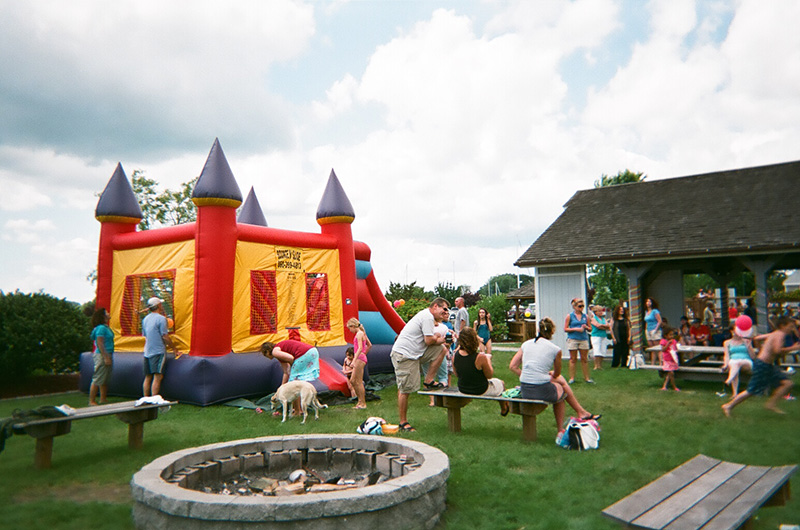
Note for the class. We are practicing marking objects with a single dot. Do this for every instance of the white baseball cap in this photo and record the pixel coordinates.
(153, 302)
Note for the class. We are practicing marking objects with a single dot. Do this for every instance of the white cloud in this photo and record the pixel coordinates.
(339, 99)
(25, 231)
(146, 76)
(457, 144)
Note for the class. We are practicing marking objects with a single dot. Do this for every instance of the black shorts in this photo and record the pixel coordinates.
(543, 392)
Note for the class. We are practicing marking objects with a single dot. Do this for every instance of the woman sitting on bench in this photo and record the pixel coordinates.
(474, 369)
(532, 364)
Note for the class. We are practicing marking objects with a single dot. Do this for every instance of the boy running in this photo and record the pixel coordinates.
(767, 375)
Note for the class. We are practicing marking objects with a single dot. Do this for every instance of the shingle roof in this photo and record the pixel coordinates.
(742, 211)
(526, 291)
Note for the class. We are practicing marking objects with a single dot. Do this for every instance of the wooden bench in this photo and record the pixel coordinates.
(704, 493)
(454, 401)
(44, 430)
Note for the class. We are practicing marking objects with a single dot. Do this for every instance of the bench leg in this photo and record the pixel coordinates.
(135, 435)
(529, 428)
(135, 420)
(454, 419)
(780, 497)
(528, 411)
(44, 434)
(43, 458)
(453, 406)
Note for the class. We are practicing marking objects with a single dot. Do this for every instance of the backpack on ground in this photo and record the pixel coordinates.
(581, 435)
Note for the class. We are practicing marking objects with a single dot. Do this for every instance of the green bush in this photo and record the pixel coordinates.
(411, 308)
(40, 332)
(497, 306)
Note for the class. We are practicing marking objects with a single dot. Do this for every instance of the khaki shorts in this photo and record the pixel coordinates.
(408, 372)
(653, 335)
(573, 344)
(102, 371)
(496, 387)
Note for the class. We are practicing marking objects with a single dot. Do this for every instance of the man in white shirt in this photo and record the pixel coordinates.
(414, 347)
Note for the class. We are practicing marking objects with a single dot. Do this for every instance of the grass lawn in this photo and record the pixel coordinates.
(496, 481)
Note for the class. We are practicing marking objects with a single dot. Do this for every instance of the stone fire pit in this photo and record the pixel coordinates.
(171, 492)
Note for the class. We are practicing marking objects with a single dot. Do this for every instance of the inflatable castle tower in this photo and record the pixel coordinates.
(229, 284)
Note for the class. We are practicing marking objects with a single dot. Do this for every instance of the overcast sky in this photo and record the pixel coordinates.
(457, 129)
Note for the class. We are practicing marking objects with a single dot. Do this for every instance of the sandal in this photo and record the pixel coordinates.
(504, 412)
(434, 385)
(594, 417)
(406, 427)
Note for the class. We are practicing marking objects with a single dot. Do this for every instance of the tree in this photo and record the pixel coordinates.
(398, 291)
(448, 292)
(497, 306)
(39, 332)
(166, 208)
(608, 283)
(622, 177)
(692, 283)
(744, 283)
(503, 283)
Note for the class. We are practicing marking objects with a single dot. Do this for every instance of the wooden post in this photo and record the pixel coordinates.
(44, 434)
(454, 406)
(43, 457)
(529, 428)
(529, 411)
(135, 435)
(135, 420)
(454, 419)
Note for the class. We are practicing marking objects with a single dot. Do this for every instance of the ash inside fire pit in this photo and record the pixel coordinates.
(298, 482)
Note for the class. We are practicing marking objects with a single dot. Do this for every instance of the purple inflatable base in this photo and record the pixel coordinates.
(209, 380)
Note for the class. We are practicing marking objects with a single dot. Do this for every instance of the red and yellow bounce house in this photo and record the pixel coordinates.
(231, 283)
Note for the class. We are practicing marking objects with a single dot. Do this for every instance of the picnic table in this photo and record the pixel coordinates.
(704, 364)
(704, 493)
(696, 354)
(44, 430)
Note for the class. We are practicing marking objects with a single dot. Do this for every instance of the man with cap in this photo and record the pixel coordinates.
(156, 341)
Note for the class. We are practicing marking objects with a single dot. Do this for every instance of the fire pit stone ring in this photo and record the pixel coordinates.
(412, 495)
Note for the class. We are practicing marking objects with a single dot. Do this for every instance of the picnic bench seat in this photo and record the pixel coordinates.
(454, 401)
(700, 373)
(704, 493)
(44, 430)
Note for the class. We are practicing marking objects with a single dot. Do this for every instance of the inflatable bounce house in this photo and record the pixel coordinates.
(229, 284)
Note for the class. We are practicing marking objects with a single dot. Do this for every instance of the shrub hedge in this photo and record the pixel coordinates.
(39, 332)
